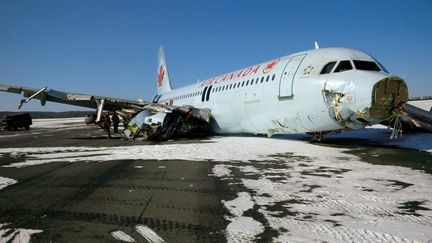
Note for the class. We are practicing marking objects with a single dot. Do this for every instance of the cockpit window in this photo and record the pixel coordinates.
(328, 67)
(343, 66)
(366, 65)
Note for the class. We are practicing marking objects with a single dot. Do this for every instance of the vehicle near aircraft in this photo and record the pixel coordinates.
(315, 91)
(14, 122)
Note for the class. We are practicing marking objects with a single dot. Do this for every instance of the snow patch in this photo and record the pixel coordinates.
(219, 149)
(4, 182)
(330, 197)
(243, 229)
(221, 170)
(239, 205)
(422, 104)
(149, 234)
(379, 134)
(58, 122)
(120, 235)
(16, 235)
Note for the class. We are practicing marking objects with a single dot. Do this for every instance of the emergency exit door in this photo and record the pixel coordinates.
(288, 75)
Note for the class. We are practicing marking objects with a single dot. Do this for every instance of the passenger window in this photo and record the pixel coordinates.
(274, 76)
(247, 83)
(343, 66)
(262, 79)
(328, 67)
(256, 81)
(230, 86)
(268, 77)
(243, 83)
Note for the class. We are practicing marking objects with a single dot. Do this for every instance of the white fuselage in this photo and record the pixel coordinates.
(286, 95)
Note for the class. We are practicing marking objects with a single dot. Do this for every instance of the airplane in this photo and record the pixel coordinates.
(315, 91)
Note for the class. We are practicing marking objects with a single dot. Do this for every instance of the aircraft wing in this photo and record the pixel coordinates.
(157, 121)
(84, 100)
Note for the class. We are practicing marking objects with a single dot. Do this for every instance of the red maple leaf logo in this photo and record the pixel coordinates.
(270, 66)
(160, 76)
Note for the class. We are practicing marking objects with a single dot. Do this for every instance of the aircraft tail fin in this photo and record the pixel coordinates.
(163, 80)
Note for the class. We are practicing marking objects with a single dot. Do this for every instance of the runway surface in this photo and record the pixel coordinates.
(63, 181)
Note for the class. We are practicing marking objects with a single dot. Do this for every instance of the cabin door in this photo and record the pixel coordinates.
(288, 75)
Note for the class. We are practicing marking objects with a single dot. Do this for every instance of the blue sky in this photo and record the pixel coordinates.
(110, 47)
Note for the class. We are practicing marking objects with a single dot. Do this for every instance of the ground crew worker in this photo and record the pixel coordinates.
(105, 124)
(115, 121)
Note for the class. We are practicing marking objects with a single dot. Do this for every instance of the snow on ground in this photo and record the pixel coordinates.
(122, 236)
(58, 122)
(4, 182)
(217, 149)
(304, 191)
(379, 134)
(422, 104)
(149, 234)
(16, 235)
(143, 230)
(241, 228)
(328, 197)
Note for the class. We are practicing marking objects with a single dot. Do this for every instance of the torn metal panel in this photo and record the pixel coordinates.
(338, 100)
(133, 127)
(200, 114)
(415, 119)
(158, 125)
(388, 95)
(156, 119)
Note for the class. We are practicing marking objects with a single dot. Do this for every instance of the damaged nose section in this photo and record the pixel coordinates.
(387, 96)
(352, 110)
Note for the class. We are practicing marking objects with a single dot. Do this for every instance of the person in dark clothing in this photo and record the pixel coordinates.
(105, 124)
(115, 121)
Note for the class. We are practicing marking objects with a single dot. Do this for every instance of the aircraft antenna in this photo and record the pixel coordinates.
(316, 45)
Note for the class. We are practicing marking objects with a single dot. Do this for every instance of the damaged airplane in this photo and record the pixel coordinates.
(315, 91)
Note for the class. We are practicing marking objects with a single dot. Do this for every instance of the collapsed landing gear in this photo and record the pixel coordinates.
(317, 136)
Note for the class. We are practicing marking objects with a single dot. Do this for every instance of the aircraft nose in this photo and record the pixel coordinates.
(352, 104)
(388, 94)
